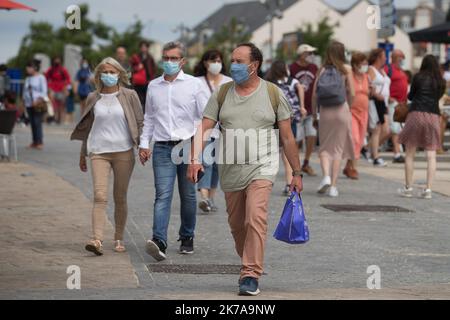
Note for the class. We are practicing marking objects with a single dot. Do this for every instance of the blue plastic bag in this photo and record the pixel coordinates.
(293, 227)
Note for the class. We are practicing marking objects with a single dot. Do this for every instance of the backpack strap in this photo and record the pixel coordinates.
(274, 95)
(223, 93)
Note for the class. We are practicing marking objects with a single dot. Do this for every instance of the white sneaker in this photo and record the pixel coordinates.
(379, 162)
(324, 185)
(406, 192)
(426, 194)
(333, 192)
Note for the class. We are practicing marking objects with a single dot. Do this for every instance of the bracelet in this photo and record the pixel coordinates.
(194, 159)
(297, 174)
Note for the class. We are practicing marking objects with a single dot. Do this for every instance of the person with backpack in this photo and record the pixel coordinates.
(295, 94)
(139, 78)
(333, 94)
(422, 126)
(58, 79)
(148, 62)
(211, 72)
(248, 108)
(34, 95)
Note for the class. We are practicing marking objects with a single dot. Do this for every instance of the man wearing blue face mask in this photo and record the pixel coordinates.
(249, 105)
(173, 108)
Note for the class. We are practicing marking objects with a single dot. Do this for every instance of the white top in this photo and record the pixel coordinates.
(173, 110)
(216, 131)
(447, 76)
(382, 84)
(38, 86)
(110, 132)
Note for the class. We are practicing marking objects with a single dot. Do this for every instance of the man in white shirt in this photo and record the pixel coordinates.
(173, 109)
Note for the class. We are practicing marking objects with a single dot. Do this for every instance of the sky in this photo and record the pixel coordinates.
(159, 17)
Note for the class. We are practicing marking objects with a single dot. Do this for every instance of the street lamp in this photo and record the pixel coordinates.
(184, 32)
(273, 14)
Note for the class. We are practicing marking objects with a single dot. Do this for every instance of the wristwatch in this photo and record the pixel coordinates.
(297, 173)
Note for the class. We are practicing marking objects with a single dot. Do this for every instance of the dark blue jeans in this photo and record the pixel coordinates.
(165, 172)
(36, 125)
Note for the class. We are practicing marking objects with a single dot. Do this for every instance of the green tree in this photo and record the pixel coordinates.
(43, 38)
(320, 36)
(229, 37)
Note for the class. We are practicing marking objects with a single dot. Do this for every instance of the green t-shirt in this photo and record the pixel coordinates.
(248, 144)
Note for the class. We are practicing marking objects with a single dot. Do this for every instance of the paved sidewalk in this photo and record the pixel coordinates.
(44, 222)
(411, 249)
(396, 172)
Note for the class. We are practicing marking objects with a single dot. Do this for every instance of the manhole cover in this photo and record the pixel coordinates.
(363, 208)
(195, 268)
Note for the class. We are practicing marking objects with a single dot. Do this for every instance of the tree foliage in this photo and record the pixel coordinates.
(96, 38)
(320, 36)
(229, 37)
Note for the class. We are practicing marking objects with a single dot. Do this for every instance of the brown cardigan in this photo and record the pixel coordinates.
(132, 108)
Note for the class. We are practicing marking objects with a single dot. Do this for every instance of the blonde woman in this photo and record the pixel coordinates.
(109, 128)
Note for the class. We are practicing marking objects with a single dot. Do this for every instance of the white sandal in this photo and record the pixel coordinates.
(118, 246)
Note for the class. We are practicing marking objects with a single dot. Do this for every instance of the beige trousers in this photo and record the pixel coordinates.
(247, 216)
(122, 164)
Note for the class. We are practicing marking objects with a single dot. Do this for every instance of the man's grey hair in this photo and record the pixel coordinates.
(175, 45)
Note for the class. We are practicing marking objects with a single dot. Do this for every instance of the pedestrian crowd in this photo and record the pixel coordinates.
(49, 96)
(346, 106)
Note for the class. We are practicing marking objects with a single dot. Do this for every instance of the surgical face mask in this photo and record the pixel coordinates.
(215, 68)
(239, 72)
(310, 59)
(109, 79)
(403, 64)
(171, 68)
(364, 68)
(85, 65)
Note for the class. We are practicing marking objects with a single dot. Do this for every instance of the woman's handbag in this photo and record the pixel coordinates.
(293, 228)
(401, 112)
(40, 105)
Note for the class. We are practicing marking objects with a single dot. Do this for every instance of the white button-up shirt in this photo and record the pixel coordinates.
(173, 110)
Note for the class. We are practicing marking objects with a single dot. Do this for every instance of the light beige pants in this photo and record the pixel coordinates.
(122, 164)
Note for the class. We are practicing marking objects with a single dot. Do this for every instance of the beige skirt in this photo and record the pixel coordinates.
(335, 133)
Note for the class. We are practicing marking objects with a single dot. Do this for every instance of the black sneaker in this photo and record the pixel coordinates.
(248, 286)
(399, 159)
(379, 162)
(205, 206)
(156, 248)
(365, 153)
(187, 245)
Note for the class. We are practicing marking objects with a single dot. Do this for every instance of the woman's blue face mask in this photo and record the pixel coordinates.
(109, 79)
